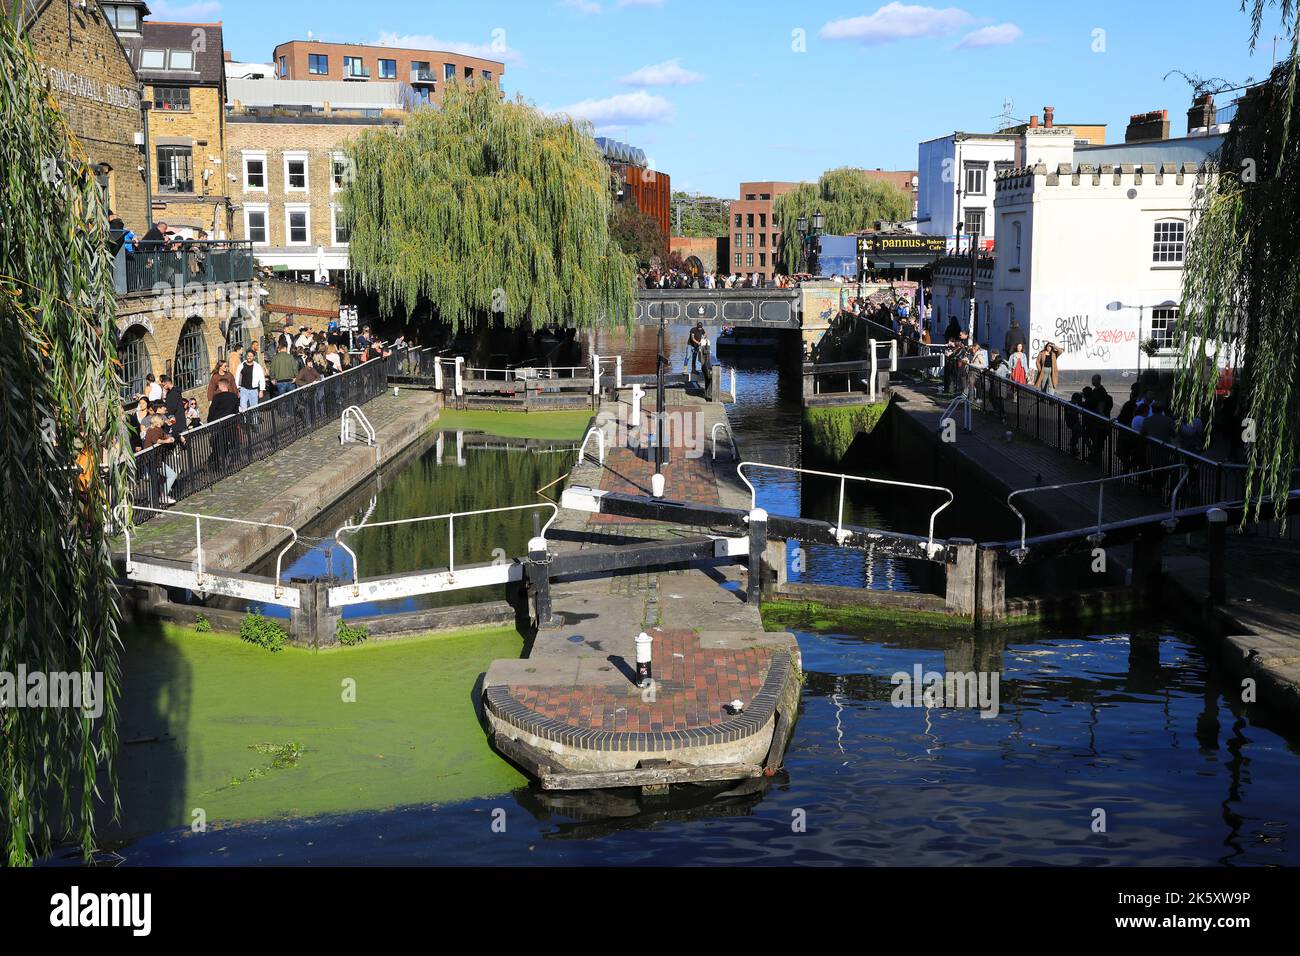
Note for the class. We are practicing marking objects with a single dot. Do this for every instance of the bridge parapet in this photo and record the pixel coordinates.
(761, 308)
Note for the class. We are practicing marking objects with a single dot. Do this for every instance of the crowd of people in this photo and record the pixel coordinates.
(682, 279)
(294, 358)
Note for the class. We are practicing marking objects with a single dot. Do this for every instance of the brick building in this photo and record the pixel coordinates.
(179, 327)
(96, 88)
(181, 66)
(755, 236)
(428, 72)
(288, 170)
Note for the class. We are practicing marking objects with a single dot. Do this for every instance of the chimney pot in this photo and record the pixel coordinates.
(1048, 116)
(1033, 121)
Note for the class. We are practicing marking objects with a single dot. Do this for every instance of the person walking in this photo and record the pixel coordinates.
(220, 373)
(1019, 363)
(1015, 336)
(252, 381)
(1047, 368)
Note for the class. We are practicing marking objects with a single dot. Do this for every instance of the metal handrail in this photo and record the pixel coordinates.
(840, 534)
(345, 433)
(450, 517)
(198, 538)
(600, 445)
(961, 399)
(731, 440)
(1096, 537)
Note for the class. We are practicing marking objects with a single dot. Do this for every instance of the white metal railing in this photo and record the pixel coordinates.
(600, 445)
(840, 534)
(450, 517)
(353, 413)
(199, 573)
(964, 400)
(1097, 535)
(731, 439)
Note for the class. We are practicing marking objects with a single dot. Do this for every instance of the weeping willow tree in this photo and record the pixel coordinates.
(1241, 278)
(487, 208)
(850, 199)
(60, 419)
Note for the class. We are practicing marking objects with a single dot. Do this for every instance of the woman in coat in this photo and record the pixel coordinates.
(1047, 368)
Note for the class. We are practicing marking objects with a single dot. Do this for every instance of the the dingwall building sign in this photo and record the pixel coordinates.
(88, 88)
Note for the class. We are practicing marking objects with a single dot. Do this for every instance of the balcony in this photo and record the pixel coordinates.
(356, 71)
(423, 76)
(194, 264)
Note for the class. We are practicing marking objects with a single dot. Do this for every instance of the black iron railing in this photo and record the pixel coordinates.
(192, 264)
(207, 454)
(1112, 448)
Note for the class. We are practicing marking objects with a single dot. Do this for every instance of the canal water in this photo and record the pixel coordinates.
(1113, 745)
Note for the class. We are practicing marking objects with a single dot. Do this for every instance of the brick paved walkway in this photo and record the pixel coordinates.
(693, 685)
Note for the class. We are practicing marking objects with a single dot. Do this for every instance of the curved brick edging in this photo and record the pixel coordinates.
(757, 714)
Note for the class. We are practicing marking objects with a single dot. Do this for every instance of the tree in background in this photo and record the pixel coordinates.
(485, 208)
(63, 462)
(849, 198)
(637, 233)
(702, 217)
(1241, 277)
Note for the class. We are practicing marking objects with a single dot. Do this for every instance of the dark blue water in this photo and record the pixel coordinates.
(1135, 726)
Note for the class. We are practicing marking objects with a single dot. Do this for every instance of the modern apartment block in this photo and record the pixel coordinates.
(427, 71)
(755, 236)
(635, 182)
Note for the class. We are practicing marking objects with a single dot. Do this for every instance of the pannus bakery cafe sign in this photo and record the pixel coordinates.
(68, 83)
(885, 246)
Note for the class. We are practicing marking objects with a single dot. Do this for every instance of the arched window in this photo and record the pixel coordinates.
(239, 333)
(191, 366)
(134, 356)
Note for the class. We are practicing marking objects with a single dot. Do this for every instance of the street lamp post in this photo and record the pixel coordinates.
(810, 238)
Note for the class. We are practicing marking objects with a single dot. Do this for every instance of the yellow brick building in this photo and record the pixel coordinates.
(182, 68)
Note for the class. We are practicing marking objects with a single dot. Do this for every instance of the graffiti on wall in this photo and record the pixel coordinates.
(1074, 334)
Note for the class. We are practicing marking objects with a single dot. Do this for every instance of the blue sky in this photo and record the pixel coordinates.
(719, 91)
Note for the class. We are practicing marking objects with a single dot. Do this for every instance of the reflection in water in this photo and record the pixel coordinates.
(1084, 724)
(438, 481)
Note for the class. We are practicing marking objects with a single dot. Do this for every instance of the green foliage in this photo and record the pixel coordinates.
(849, 199)
(350, 635)
(831, 430)
(262, 631)
(282, 757)
(1241, 284)
(64, 462)
(487, 206)
(637, 234)
(202, 625)
(703, 217)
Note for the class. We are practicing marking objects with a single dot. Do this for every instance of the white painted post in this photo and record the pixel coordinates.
(460, 372)
(871, 345)
(437, 375)
(644, 668)
(618, 371)
(657, 482)
(595, 371)
(634, 419)
(893, 355)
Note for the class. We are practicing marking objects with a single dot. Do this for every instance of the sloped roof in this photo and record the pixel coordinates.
(209, 68)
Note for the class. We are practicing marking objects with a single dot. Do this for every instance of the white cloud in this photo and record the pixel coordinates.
(503, 53)
(667, 73)
(625, 109)
(897, 21)
(585, 7)
(640, 3)
(999, 35)
(184, 12)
